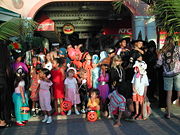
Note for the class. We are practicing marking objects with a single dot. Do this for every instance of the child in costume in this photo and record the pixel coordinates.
(58, 77)
(20, 98)
(45, 95)
(103, 87)
(63, 53)
(139, 85)
(94, 101)
(95, 71)
(117, 105)
(48, 63)
(34, 84)
(71, 89)
(83, 89)
(87, 65)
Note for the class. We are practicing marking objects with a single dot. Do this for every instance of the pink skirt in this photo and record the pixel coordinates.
(72, 96)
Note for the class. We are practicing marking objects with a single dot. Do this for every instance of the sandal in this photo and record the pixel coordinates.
(139, 117)
(167, 116)
(134, 117)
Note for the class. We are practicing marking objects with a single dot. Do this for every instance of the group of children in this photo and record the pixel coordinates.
(84, 80)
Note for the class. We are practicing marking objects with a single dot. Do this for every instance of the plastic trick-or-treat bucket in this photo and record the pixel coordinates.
(25, 110)
(66, 105)
(92, 116)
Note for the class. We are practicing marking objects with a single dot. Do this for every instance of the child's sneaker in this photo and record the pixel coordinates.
(69, 112)
(45, 118)
(83, 111)
(49, 120)
(77, 112)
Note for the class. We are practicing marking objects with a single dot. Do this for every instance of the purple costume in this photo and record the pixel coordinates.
(17, 65)
(103, 86)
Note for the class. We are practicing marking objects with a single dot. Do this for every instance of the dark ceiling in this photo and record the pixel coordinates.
(85, 16)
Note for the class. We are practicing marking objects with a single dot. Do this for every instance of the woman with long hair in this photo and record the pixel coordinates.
(169, 57)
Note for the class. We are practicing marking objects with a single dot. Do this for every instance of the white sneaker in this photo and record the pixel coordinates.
(83, 111)
(77, 112)
(45, 118)
(69, 112)
(49, 120)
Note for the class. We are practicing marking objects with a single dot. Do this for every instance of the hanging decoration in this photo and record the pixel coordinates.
(15, 45)
(68, 29)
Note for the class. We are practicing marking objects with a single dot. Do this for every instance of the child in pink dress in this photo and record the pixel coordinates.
(45, 95)
(71, 90)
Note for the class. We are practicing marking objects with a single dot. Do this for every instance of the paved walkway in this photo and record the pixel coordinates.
(76, 125)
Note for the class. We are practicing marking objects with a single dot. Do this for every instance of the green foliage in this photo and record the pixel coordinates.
(17, 27)
(117, 5)
(167, 13)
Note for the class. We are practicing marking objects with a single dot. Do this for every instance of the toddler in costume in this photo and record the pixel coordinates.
(45, 95)
(93, 102)
(20, 98)
(139, 84)
(71, 89)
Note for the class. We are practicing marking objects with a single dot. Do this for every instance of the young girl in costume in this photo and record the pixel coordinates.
(103, 87)
(94, 101)
(95, 71)
(48, 63)
(45, 95)
(83, 89)
(34, 84)
(71, 89)
(20, 98)
(117, 75)
(58, 77)
(87, 65)
(139, 85)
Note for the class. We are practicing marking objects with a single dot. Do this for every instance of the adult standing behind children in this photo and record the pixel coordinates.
(170, 59)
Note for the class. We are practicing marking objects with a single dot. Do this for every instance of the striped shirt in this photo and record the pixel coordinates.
(117, 102)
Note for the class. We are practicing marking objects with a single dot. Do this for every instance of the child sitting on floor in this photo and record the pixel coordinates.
(93, 102)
